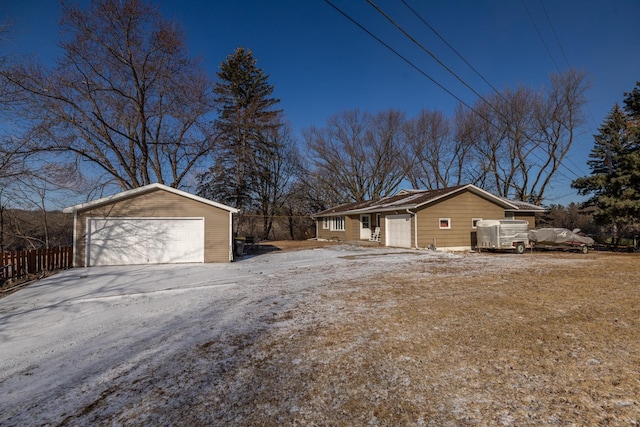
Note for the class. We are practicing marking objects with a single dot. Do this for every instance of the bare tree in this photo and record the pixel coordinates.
(125, 97)
(522, 136)
(278, 167)
(438, 152)
(34, 219)
(558, 118)
(359, 156)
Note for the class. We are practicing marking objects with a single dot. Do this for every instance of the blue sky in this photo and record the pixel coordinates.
(321, 64)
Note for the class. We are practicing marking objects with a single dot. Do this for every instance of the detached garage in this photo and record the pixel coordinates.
(154, 224)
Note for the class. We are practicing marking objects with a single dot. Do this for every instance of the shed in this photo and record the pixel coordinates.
(154, 224)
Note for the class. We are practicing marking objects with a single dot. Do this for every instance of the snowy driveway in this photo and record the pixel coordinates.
(67, 340)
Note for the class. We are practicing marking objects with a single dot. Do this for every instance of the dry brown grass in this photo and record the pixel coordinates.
(554, 340)
(290, 245)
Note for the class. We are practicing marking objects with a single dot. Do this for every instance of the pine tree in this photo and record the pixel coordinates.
(246, 115)
(614, 183)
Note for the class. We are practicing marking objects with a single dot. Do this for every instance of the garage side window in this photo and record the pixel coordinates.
(444, 223)
(325, 223)
(337, 224)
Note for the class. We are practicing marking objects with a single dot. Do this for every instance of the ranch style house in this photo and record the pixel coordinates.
(444, 219)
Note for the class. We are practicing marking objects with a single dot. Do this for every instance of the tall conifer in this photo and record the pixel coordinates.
(246, 116)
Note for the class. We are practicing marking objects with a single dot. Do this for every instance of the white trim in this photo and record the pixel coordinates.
(365, 233)
(75, 238)
(333, 224)
(474, 222)
(231, 248)
(142, 190)
(448, 227)
(415, 229)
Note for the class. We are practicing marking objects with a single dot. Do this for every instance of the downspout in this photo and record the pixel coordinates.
(74, 244)
(415, 228)
(231, 242)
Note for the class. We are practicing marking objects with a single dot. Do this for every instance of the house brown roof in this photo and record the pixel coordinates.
(411, 199)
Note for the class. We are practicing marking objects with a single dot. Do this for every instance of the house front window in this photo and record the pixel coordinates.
(325, 223)
(337, 224)
(444, 223)
(474, 222)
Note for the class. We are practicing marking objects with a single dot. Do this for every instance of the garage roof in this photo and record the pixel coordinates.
(146, 189)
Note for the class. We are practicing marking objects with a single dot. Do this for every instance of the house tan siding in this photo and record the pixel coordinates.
(527, 216)
(461, 209)
(351, 229)
(159, 203)
(352, 224)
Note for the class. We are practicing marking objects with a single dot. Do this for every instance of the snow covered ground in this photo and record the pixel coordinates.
(71, 341)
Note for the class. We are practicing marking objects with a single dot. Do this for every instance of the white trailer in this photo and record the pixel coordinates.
(494, 234)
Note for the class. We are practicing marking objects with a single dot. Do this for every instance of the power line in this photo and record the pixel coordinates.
(428, 52)
(452, 48)
(442, 64)
(477, 72)
(555, 35)
(436, 82)
(535, 26)
(557, 39)
(504, 119)
(399, 55)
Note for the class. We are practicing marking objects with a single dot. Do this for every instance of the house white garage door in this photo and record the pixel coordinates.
(122, 241)
(398, 230)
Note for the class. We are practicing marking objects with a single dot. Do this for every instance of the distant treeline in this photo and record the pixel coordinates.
(34, 229)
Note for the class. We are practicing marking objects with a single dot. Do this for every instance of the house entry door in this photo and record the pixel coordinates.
(365, 227)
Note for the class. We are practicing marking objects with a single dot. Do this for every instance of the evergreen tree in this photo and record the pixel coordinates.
(632, 102)
(614, 183)
(246, 116)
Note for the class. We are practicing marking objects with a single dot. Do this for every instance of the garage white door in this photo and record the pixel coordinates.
(122, 241)
(398, 230)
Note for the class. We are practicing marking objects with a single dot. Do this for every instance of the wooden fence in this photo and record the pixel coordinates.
(23, 264)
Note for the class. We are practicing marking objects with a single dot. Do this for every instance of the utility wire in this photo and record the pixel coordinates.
(432, 55)
(479, 74)
(535, 26)
(504, 119)
(555, 35)
(452, 48)
(432, 79)
(557, 39)
(398, 54)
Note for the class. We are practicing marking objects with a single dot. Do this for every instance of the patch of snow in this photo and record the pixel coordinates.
(72, 340)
